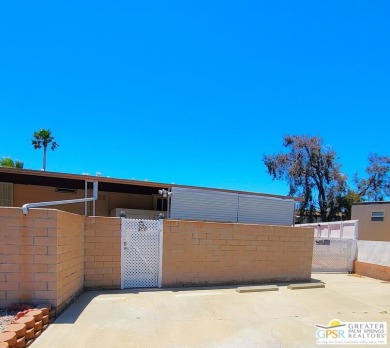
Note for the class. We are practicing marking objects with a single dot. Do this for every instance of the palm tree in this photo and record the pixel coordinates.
(9, 162)
(44, 138)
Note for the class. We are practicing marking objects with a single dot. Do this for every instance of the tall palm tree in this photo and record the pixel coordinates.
(42, 139)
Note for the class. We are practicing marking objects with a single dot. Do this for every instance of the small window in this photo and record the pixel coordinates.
(377, 216)
(65, 190)
(161, 203)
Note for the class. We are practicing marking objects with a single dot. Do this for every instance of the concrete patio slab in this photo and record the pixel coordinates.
(216, 317)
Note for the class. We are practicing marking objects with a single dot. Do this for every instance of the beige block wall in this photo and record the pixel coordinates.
(107, 200)
(202, 253)
(372, 230)
(102, 252)
(35, 252)
(50, 255)
(28, 246)
(372, 270)
(70, 256)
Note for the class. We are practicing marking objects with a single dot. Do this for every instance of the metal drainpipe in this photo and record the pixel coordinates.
(94, 197)
(168, 203)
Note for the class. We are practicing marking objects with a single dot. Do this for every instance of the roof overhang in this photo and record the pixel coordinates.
(371, 203)
(77, 181)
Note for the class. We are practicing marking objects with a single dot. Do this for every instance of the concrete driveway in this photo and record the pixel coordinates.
(216, 317)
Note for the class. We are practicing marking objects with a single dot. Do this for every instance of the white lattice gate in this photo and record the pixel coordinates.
(141, 253)
(333, 255)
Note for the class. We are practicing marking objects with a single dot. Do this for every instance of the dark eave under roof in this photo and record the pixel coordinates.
(77, 181)
(29, 177)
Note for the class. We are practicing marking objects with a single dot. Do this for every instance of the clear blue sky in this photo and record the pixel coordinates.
(193, 92)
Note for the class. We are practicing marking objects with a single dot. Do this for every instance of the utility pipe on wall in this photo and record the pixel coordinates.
(94, 197)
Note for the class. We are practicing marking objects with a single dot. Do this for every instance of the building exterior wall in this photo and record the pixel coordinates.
(129, 201)
(107, 201)
(201, 253)
(102, 252)
(372, 230)
(32, 193)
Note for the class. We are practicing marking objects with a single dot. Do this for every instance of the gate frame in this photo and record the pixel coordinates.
(160, 251)
(340, 236)
(350, 258)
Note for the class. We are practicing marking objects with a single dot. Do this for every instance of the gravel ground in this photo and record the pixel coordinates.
(6, 317)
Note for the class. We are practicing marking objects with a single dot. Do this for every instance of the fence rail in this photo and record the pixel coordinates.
(338, 229)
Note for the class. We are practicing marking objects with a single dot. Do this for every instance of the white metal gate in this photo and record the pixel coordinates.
(141, 253)
(335, 245)
(333, 255)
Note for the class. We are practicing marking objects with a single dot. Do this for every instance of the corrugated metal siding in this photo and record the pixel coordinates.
(203, 205)
(208, 205)
(265, 210)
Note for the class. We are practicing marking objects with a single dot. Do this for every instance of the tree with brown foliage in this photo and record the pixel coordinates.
(376, 186)
(313, 173)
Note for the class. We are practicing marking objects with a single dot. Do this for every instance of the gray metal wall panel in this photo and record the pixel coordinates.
(265, 210)
(209, 205)
(203, 205)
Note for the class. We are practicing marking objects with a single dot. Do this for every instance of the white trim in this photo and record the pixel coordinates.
(122, 255)
(160, 261)
(356, 229)
(329, 223)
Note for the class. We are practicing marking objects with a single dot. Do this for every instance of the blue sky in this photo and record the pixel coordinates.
(193, 92)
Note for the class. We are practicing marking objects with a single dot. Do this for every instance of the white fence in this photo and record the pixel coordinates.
(338, 229)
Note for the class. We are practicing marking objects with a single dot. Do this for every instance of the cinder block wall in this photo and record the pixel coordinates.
(102, 252)
(50, 255)
(372, 270)
(40, 259)
(70, 256)
(202, 253)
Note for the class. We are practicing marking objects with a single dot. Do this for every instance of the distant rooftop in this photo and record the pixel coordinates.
(374, 202)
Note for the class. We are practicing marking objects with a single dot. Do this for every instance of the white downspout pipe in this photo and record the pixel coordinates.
(94, 197)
